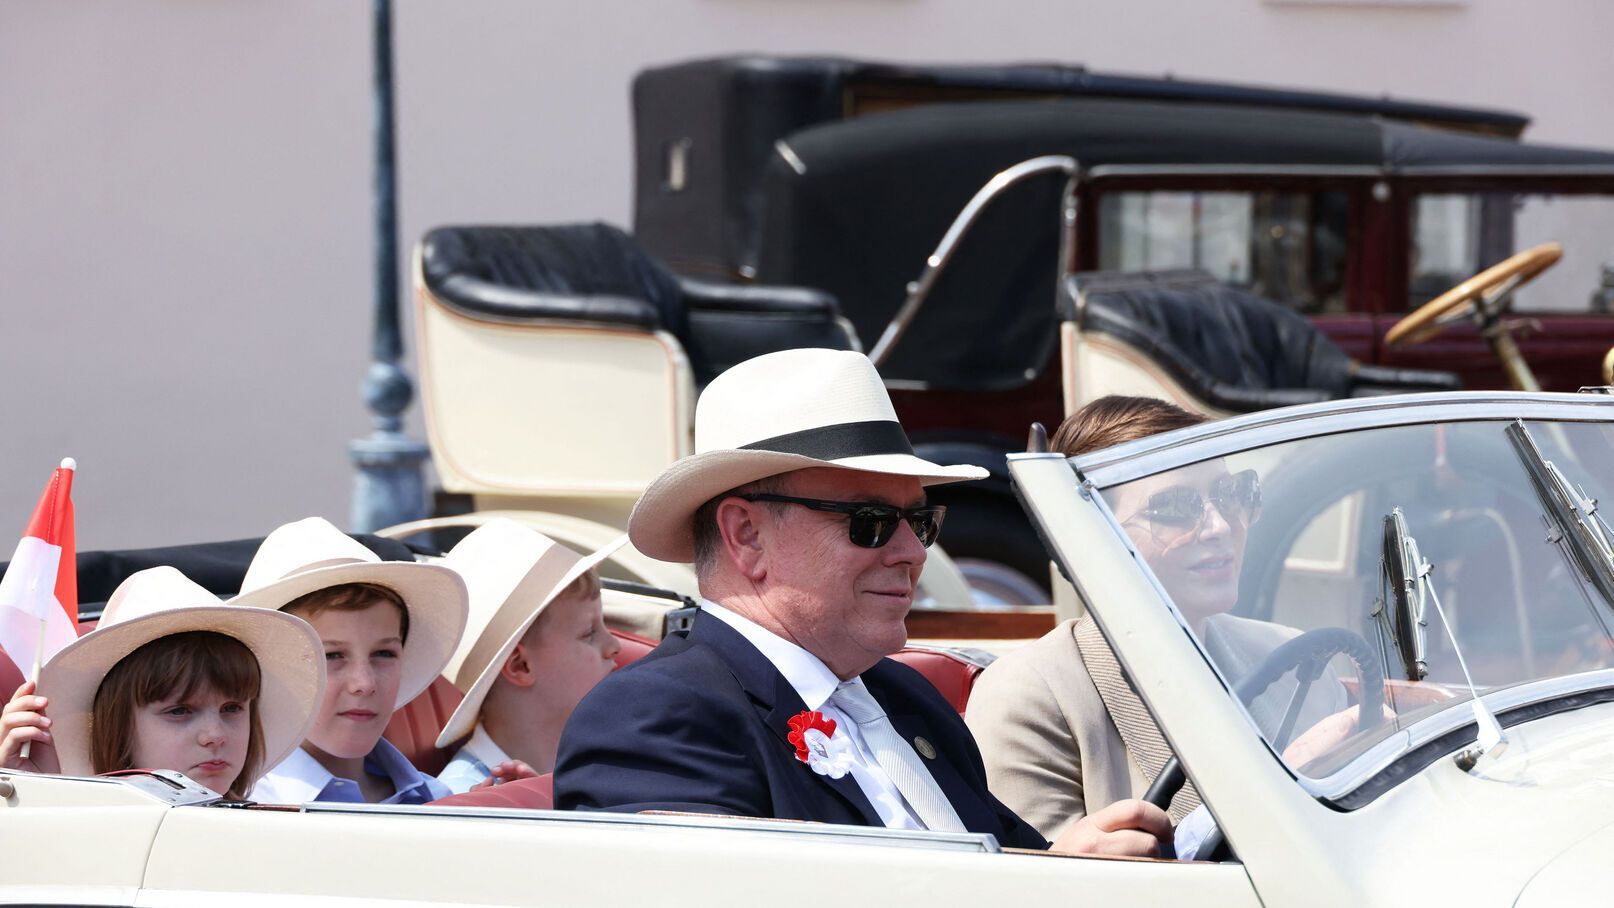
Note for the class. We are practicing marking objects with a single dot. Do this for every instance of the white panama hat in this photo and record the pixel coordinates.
(776, 413)
(161, 601)
(513, 573)
(310, 555)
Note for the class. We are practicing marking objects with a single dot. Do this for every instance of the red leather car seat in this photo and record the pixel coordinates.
(952, 671)
(528, 794)
(633, 646)
(414, 729)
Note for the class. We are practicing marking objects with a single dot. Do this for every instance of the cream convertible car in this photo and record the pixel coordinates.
(1403, 554)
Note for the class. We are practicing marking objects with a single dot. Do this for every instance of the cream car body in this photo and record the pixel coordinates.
(1398, 820)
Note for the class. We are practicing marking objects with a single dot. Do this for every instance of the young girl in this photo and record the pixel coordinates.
(171, 678)
(387, 629)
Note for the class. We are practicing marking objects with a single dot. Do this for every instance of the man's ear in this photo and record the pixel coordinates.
(738, 527)
(518, 668)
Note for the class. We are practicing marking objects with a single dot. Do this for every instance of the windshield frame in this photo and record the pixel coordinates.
(1115, 466)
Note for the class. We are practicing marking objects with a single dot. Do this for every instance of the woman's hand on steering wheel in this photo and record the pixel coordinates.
(1307, 654)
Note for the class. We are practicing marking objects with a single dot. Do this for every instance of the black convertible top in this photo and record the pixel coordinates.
(855, 207)
(1105, 132)
(217, 567)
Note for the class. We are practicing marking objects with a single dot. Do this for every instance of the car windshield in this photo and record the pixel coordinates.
(1457, 235)
(1403, 559)
(1284, 246)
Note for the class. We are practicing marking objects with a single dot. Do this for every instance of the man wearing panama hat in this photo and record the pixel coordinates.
(803, 511)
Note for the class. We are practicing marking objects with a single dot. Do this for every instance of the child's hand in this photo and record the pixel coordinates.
(508, 771)
(23, 720)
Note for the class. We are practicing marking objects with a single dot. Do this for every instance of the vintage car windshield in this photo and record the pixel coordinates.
(1455, 235)
(1284, 246)
(1362, 540)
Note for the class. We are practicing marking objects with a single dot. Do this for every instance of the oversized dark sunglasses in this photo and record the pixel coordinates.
(872, 525)
(1237, 496)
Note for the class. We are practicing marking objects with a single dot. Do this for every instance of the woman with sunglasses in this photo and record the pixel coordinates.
(1062, 732)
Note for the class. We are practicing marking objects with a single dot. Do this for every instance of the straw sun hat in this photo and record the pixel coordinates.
(161, 601)
(309, 555)
(513, 573)
(773, 414)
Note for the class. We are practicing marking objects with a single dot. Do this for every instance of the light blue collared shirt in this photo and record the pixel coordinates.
(473, 761)
(299, 779)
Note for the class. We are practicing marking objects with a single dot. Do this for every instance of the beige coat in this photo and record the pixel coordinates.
(1053, 753)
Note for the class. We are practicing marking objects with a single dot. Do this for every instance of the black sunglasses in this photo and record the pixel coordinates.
(872, 525)
(1236, 496)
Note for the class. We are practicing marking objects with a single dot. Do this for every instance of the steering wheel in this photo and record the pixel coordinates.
(1475, 296)
(1306, 655)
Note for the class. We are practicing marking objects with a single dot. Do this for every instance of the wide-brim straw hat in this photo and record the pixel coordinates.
(779, 412)
(513, 573)
(310, 555)
(160, 601)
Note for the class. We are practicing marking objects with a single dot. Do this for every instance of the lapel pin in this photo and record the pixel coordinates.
(925, 748)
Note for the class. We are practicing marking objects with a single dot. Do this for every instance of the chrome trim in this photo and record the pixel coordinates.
(790, 157)
(1378, 758)
(1360, 171)
(1219, 438)
(919, 289)
(982, 843)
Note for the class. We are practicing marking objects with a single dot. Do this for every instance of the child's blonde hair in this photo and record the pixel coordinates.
(586, 586)
(175, 667)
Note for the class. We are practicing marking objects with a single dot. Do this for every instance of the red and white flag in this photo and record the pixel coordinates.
(39, 591)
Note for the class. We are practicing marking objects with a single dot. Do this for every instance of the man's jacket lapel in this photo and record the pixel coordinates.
(776, 703)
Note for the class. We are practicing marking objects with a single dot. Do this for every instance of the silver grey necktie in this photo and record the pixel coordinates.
(897, 758)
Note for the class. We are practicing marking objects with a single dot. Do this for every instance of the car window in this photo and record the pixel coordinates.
(1261, 547)
(1285, 246)
(1458, 235)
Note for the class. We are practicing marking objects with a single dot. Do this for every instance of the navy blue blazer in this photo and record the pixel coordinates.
(700, 724)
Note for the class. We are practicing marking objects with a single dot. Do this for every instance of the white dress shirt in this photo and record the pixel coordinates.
(473, 762)
(300, 779)
(814, 682)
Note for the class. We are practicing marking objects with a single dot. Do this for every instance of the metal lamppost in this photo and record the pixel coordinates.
(389, 487)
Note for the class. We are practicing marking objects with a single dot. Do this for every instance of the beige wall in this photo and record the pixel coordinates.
(184, 234)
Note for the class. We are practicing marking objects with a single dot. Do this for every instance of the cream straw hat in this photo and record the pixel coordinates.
(513, 574)
(773, 414)
(160, 601)
(309, 555)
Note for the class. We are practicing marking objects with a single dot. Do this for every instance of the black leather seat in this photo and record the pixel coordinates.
(1227, 346)
(597, 273)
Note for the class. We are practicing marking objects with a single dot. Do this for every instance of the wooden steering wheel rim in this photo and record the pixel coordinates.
(1422, 323)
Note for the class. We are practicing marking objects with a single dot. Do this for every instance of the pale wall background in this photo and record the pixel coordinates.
(184, 185)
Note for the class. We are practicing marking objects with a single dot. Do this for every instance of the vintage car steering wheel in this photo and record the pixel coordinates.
(1484, 297)
(1306, 655)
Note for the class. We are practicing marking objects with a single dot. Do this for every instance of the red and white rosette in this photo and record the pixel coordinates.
(818, 746)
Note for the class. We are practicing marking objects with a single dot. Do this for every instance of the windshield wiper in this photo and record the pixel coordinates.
(1402, 608)
(1402, 619)
(1572, 519)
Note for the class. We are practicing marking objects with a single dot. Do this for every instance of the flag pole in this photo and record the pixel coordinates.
(39, 658)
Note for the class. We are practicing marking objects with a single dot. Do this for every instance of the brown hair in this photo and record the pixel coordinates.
(349, 597)
(1114, 419)
(174, 667)
(708, 540)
